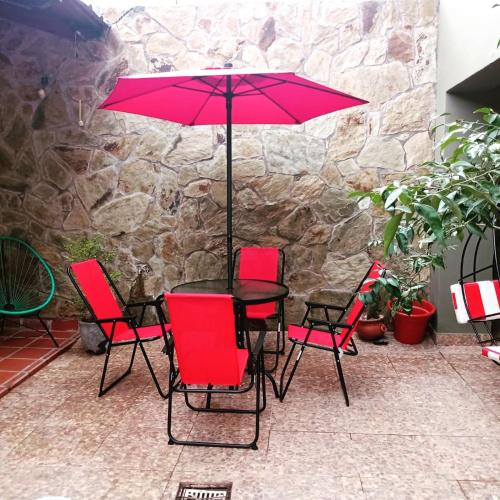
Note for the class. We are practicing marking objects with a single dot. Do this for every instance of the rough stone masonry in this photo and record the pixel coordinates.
(157, 190)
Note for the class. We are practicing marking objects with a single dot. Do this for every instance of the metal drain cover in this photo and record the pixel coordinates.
(212, 490)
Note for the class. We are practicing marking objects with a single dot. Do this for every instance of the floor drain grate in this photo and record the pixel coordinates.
(189, 490)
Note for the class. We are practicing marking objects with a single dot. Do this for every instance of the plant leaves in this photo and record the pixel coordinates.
(433, 219)
(390, 231)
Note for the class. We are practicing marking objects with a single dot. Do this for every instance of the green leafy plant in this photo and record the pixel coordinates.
(447, 198)
(403, 290)
(375, 301)
(89, 248)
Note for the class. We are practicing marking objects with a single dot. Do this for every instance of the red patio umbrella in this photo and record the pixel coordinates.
(217, 96)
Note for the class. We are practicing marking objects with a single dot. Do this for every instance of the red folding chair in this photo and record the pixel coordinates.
(203, 328)
(330, 335)
(266, 264)
(118, 325)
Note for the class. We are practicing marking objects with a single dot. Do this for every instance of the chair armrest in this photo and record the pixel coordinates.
(124, 319)
(314, 305)
(154, 302)
(334, 324)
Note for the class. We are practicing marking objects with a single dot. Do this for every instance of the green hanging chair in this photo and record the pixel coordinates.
(27, 284)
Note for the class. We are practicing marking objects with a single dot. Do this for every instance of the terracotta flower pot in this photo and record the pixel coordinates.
(411, 328)
(371, 329)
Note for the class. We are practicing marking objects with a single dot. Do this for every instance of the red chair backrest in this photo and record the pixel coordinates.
(259, 264)
(98, 293)
(203, 327)
(376, 270)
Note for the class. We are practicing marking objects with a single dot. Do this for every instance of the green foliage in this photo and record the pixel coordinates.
(448, 198)
(453, 196)
(90, 248)
(403, 291)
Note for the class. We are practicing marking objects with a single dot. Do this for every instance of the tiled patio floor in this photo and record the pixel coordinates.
(25, 348)
(424, 422)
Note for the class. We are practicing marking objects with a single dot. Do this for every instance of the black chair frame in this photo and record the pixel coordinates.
(327, 325)
(131, 321)
(279, 316)
(257, 380)
(4, 318)
(485, 321)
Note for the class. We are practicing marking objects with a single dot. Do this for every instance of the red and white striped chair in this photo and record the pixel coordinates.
(492, 352)
(482, 301)
(478, 301)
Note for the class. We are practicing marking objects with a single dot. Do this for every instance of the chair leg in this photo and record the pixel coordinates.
(341, 376)
(209, 396)
(259, 369)
(260, 373)
(103, 390)
(276, 352)
(46, 328)
(132, 358)
(281, 326)
(171, 439)
(273, 383)
(284, 390)
(151, 370)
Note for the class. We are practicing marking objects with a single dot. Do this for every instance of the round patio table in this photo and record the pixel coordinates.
(247, 292)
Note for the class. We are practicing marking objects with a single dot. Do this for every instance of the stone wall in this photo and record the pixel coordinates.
(157, 190)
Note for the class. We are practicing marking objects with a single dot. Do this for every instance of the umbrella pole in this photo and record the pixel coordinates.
(229, 181)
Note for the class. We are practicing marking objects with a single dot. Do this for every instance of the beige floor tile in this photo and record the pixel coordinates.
(59, 444)
(308, 452)
(13, 433)
(141, 448)
(80, 482)
(452, 457)
(206, 461)
(481, 490)
(413, 409)
(414, 486)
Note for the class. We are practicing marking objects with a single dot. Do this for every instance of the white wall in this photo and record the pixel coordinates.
(467, 39)
(468, 34)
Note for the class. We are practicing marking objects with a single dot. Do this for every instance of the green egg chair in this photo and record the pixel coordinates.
(27, 284)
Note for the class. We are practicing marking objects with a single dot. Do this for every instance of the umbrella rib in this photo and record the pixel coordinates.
(140, 94)
(214, 87)
(328, 91)
(248, 92)
(197, 90)
(273, 101)
(205, 103)
(236, 86)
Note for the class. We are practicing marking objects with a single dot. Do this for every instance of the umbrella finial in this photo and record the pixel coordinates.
(228, 65)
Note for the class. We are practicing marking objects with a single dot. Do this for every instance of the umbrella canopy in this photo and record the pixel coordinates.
(217, 96)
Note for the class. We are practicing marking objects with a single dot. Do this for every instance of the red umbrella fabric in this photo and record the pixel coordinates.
(216, 96)
(199, 98)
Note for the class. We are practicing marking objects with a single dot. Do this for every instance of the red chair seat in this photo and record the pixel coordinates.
(318, 337)
(492, 352)
(145, 332)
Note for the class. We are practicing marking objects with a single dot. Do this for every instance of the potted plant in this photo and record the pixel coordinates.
(441, 201)
(408, 307)
(371, 325)
(82, 249)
